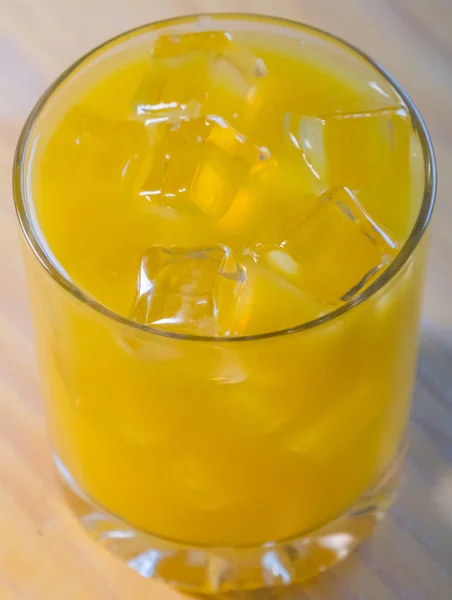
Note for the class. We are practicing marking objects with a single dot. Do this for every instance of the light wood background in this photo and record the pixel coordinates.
(43, 555)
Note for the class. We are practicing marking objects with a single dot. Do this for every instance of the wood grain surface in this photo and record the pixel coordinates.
(43, 554)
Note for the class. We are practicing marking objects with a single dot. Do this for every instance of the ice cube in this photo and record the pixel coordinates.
(173, 89)
(284, 184)
(227, 87)
(107, 153)
(229, 158)
(189, 290)
(332, 250)
(193, 74)
(216, 43)
(196, 86)
(366, 151)
(176, 151)
(271, 302)
(200, 162)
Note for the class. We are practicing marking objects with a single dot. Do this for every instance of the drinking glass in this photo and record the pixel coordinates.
(225, 463)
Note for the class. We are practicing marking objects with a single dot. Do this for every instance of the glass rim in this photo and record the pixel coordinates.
(61, 279)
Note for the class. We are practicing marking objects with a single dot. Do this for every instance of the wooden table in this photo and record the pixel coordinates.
(43, 555)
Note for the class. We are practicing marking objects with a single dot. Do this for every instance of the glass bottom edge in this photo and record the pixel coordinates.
(213, 570)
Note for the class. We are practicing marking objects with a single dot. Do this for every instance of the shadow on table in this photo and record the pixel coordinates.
(410, 554)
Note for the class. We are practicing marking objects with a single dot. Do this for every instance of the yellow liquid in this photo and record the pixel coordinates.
(307, 178)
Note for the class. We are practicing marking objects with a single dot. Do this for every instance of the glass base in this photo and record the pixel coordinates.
(209, 569)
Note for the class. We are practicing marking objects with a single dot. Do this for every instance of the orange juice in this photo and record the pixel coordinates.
(222, 362)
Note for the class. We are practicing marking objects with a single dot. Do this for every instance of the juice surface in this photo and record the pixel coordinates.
(211, 141)
(229, 185)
